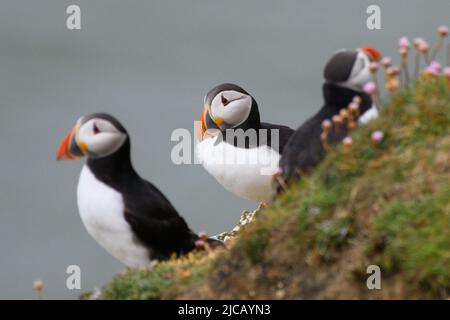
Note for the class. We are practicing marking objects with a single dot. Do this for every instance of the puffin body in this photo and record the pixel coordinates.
(125, 214)
(244, 172)
(239, 151)
(101, 210)
(345, 74)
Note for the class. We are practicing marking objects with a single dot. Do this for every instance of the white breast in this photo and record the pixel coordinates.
(248, 173)
(369, 115)
(101, 209)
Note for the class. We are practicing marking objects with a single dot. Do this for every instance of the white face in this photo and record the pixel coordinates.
(100, 137)
(230, 108)
(360, 74)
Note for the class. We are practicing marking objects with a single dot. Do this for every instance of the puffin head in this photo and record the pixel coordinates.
(96, 136)
(227, 106)
(350, 68)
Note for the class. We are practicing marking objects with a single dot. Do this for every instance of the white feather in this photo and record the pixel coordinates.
(102, 211)
(248, 173)
(369, 115)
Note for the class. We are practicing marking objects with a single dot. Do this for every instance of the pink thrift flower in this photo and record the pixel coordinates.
(370, 88)
(418, 41)
(353, 106)
(199, 244)
(403, 51)
(443, 31)
(404, 42)
(386, 62)
(431, 71)
(423, 46)
(447, 72)
(396, 69)
(436, 65)
(326, 124)
(373, 67)
(347, 141)
(377, 136)
(356, 99)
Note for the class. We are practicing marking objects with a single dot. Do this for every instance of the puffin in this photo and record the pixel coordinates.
(127, 215)
(345, 73)
(235, 147)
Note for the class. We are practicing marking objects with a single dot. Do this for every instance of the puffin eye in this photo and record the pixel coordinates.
(225, 101)
(96, 129)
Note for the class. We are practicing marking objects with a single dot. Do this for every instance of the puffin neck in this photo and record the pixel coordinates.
(340, 97)
(114, 168)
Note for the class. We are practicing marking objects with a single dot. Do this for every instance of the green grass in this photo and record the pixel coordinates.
(386, 204)
(415, 238)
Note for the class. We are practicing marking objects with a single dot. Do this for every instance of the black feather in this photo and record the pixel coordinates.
(304, 150)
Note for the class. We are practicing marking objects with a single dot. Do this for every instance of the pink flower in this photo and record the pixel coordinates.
(326, 124)
(447, 72)
(396, 69)
(393, 71)
(443, 31)
(431, 71)
(347, 141)
(403, 51)
(356, 99)
(404, 43)
(436, 65)
(353, 106)
(373, 67)
(386, 62)
(423, 46)
(370, 88)
(418, 41)
(377, 136)
(200, 244)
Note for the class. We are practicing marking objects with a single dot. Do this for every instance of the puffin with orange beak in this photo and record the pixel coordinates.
(346, 74)
(127, 215)
(235, 147)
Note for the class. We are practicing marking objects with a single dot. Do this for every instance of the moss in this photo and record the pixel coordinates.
(416, 240)
(385, 204)
(162, 281)
(141, 284)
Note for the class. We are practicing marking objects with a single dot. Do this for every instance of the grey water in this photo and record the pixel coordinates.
(150, 63)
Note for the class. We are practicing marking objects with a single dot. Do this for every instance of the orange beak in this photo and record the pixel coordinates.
(373, 53)
(66, 146)
(201, 130)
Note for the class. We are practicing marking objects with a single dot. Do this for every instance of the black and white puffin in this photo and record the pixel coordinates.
(345, 75)
(125, 214)
(232, 146)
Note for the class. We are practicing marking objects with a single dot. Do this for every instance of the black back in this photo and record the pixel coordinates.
(304, 150)
(284, 134)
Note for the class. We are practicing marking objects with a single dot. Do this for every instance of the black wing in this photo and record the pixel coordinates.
(284, 134)
(304, 150)
(156, 223)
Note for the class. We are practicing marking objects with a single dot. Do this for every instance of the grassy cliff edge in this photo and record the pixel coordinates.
(385, 204)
